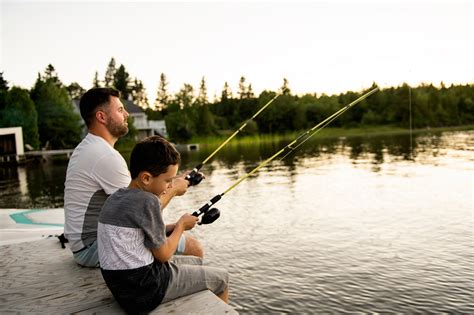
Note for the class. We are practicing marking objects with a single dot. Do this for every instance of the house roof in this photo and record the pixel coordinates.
(132, 108)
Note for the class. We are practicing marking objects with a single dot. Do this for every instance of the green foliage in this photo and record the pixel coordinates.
(58, 125)
(179, 126)
(109, 73)
(96, 81)
(250, 129)
(138, 92)
(75, 91)
(20, 112)
(202, 96)
(185, 97)
(3, 83)
(430, 107)
(279, 116)
(206, 125)
(121, 82)
(153, 114)
(162, 96)
(226, 93)
(188, 115)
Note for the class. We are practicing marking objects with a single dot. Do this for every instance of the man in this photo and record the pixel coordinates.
(96, 170)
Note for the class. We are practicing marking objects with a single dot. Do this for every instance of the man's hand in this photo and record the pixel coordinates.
(195, 179)
(180, 186)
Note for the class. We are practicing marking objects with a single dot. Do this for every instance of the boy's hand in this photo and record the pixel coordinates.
(188, 221)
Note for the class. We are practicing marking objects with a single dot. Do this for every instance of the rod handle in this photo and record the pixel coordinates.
(206, 207)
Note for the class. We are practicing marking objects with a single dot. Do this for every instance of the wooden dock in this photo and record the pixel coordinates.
(41, 277)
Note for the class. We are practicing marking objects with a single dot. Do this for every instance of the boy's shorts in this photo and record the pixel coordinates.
(89, 256)
(189, 276)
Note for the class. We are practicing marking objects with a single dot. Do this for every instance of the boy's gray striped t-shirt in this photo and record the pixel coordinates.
(130, 225)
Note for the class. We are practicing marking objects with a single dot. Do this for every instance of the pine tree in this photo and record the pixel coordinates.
(75, 91)
(51, 75)
(3, 83)
(3, 91)
(226, 92)
(249, 93)
(58, 125)
(162, 97)
(285, 90)
(185, 96)
(202, 96)
(139, 94)
(96, 82)
(242, 92)
(110, 73)
(122, 82)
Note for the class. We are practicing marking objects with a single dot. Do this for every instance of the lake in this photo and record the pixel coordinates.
(343, 225)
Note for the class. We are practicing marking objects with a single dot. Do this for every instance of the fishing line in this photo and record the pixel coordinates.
(310, 133)
(411, 135)
(212, 214)
(194, 177)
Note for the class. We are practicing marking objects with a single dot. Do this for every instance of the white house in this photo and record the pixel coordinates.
(144, 126)
(11, 144)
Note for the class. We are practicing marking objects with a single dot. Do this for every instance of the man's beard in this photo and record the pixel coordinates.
(117, 130)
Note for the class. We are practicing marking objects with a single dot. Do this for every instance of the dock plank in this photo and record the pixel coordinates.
(41, 277)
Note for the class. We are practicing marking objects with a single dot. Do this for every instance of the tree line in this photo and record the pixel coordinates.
(188, 114)
(47, 115)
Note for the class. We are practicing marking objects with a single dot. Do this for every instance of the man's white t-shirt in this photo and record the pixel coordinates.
(95, 171)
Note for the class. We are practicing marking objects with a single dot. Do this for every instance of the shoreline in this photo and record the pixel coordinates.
(325, 133)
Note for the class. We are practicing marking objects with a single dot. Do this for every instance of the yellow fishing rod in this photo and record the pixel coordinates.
(194, 177)
(212, 214)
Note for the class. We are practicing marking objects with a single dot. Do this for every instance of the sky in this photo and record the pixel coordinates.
(319, 46)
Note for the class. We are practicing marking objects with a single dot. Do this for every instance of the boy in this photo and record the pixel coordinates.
(135, 255)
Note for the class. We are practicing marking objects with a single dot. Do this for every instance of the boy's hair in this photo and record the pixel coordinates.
(93, 99)
(153, 154)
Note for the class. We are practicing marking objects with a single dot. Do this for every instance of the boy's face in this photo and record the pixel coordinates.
(160, 184)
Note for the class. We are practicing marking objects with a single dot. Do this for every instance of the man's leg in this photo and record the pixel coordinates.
(88, 257)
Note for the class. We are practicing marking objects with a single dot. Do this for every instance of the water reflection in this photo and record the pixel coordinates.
(347, 225)
(36, 185)
(42, 184)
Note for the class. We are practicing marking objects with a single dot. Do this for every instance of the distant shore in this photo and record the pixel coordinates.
(325, 133)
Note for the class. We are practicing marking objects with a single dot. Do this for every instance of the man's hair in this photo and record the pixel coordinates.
(153, 154)
(93, 99)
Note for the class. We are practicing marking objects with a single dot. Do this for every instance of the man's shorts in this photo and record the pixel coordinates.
(189, 276)
(89, 255)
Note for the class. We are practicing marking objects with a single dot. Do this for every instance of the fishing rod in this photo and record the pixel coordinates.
(310, 133)
(212, 214)
(194, 177)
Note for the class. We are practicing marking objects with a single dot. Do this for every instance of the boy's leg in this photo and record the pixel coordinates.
(188, 276)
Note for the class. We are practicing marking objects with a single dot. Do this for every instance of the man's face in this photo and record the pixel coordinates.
(116, 122)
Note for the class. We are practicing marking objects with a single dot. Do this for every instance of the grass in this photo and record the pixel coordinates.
(325, 133)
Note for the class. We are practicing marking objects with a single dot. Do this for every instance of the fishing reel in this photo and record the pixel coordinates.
(194, 178)
(210, 216)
